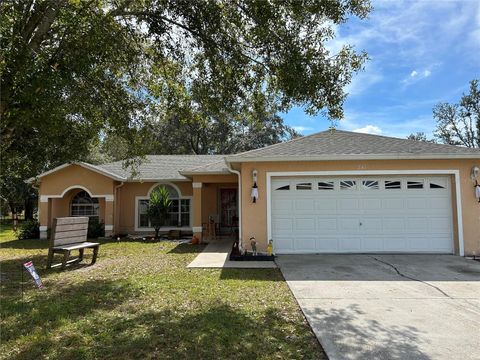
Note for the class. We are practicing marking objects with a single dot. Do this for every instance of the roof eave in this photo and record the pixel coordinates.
(193, 173)
(156, 179)
(233, 159)
(82, 164)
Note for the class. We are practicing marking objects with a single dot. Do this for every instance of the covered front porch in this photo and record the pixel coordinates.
(76, 201)
(215, 207)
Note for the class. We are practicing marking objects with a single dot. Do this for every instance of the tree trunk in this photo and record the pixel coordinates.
(29, 208)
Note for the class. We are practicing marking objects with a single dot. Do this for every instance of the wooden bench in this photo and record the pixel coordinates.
(70, 233)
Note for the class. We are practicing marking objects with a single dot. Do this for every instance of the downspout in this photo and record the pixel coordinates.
(117, 213)
(229, 167)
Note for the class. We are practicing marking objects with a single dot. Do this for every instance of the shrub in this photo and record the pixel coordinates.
(29, 229)
(95, 228)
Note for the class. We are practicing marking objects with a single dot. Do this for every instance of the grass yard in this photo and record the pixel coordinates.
(139, 301)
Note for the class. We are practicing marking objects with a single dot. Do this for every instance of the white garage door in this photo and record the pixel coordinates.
(355, 215)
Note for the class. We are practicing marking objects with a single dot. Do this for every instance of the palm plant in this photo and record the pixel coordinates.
(158, 207)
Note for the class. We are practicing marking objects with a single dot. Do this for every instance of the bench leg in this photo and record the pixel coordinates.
(94, 257)
(50, 258)
(66, 255)
(80, 256)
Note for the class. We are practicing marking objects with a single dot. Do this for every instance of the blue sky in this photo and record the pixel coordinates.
(421, 53)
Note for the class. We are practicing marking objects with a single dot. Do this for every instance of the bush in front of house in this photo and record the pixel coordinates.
(29, 229)
(95, 228)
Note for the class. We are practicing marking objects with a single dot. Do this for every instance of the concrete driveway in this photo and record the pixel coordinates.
(389, 306)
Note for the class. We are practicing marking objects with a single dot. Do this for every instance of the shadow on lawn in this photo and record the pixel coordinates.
(25, 244)
(47, 309)
(251, 274)
(219, 332)
(183, 248)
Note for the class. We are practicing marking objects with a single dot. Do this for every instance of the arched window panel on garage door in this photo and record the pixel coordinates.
(370, 185)
(348, 184)
(414, 184)
(282, 185)
(303, 186)
(438, 183)
(326, 185)
(393, 184)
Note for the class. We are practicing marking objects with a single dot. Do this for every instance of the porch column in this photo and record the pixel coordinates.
(43, 216)
(109, 204)
(197, 210)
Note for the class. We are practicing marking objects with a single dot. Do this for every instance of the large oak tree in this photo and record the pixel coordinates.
(73, 70)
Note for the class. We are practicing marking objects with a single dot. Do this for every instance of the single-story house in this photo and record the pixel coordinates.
(330, 192)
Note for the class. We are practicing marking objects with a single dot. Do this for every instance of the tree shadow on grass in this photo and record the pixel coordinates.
(185, 248)
(251, 274)
(218, 332)
(25, 244)
(47, 309)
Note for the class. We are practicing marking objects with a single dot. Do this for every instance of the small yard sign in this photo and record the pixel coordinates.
(31, 269)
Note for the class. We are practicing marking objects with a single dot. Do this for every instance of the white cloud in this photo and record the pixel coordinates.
(416, 76)
(302, 129)
(369, 129)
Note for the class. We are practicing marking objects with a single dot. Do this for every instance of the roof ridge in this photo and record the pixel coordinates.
(281, 143)
(404, 139)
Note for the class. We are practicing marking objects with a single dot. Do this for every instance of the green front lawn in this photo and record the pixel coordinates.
(140, 301)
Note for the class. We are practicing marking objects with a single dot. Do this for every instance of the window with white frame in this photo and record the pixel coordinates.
(83, 204)
(178, 216)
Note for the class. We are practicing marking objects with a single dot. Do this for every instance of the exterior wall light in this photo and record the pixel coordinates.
(254, 193)
(475, 174)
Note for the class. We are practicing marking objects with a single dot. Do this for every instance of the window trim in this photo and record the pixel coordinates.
(94, 204)
(163, 228)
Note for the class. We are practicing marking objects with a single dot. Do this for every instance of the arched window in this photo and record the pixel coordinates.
(83, 204)
(179, 214)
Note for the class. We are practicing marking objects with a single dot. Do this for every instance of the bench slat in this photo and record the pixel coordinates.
(70, 240)
(76, 246)
(69, 227)
(67, 234)
(72, 220)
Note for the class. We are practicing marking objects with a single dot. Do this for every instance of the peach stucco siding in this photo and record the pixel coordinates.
(203, 190)
(57, 182)
(254, 216)
(125, 204)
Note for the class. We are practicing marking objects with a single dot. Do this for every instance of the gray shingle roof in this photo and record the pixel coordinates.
(166, 167)
(218, 167)
(338, 144)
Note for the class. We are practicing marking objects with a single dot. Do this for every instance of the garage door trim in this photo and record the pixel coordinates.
(454, 172)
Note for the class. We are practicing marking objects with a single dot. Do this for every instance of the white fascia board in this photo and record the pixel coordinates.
(193, 173)
(158, 180)
(233, 159)
(84, 165)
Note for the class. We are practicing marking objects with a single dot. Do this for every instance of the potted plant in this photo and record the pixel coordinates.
(158, 207)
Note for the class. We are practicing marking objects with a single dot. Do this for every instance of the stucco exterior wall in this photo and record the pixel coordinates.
(57, 189)
(75, 175)
(126, 195)
(254, 216)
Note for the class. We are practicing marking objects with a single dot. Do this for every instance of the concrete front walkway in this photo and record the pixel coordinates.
(389, 306)
(215, 255)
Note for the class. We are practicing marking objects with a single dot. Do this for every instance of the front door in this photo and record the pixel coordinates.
(228, 209)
